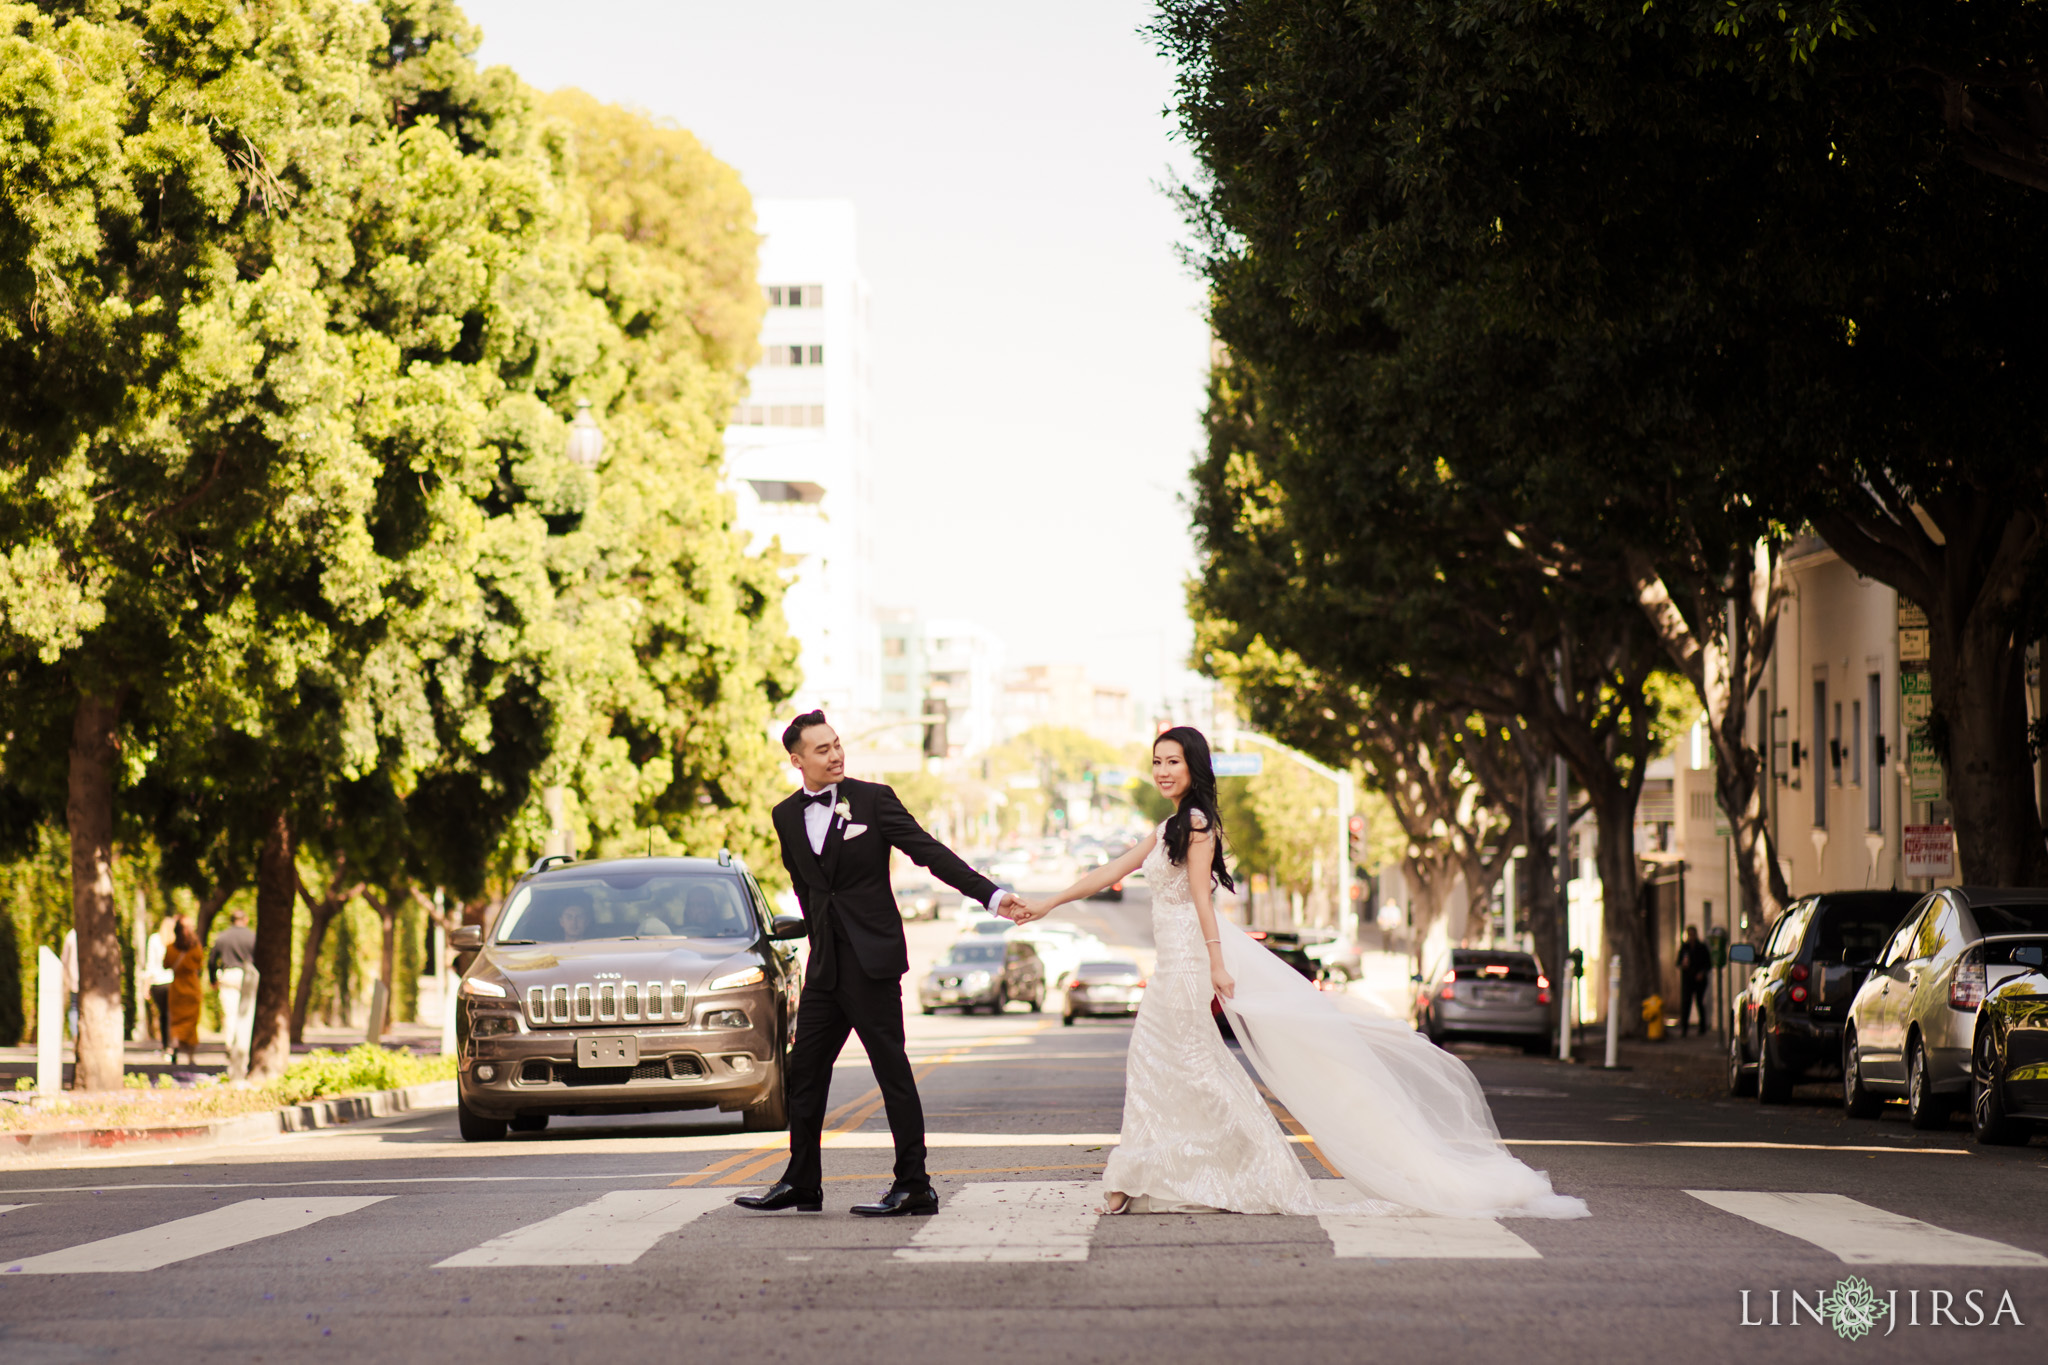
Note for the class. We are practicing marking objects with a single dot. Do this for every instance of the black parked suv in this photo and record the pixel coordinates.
(1788, 1017)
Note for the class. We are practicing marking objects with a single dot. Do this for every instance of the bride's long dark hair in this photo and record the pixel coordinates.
(1200, 796)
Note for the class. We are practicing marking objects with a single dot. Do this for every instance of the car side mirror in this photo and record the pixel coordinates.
(2028, 956)
(466, 938)
(788, 927)
(1417, 976)
(1744, 953)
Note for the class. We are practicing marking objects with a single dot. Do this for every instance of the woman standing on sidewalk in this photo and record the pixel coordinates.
(185, 957)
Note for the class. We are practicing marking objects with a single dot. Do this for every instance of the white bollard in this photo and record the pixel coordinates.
(1613, 1011)
(380, 1005)
(49, 1022)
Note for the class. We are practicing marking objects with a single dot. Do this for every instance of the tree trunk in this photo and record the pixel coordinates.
(1621, 896)
(277, 891)
(89, 812)
(387, 954)
(1724, 659)
(1979, 677)
(322, 914)
(1966, 560)
(210, 907)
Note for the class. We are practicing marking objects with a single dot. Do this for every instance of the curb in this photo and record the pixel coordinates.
(298, 1118)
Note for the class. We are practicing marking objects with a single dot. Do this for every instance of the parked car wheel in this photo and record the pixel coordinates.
(1067, 1018)
(474, 1126)
(1989, 1123)
(930, 1009)
(529, 1123)
(1773, 1082)
(1037, 1001)
(1741, 1080)
(1857, 1100)
(1002, 1000)
(1924, 1108)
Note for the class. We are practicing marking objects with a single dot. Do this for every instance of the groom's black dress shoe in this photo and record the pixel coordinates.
(901, 1203)
(781, 1196)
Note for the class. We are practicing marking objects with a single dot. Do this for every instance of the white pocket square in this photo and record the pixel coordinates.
(855, 831)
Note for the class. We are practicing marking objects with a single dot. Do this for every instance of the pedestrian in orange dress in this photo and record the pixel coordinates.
(185, 957)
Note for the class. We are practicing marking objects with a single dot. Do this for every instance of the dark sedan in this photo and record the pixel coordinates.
(2009, 1063)
(1788, 1017)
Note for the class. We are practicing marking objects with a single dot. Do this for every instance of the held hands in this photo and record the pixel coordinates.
(1015, 909)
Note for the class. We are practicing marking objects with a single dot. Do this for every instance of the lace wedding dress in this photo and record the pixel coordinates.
(1401, 1118)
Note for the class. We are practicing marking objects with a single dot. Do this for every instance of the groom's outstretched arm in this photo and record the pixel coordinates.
(949, 867)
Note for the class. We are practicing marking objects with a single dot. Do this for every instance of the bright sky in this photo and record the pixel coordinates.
(1040, 348)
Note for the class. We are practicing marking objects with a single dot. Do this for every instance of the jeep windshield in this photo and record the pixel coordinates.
(627, 905)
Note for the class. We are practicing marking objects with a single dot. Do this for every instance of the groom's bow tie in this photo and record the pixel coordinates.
(823, 798)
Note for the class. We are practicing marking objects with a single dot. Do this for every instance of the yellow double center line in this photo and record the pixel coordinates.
(746, 1168)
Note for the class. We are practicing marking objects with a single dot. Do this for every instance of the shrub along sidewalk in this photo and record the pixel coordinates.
(141, 1112)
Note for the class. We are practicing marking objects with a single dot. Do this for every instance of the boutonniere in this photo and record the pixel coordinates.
(844, 810)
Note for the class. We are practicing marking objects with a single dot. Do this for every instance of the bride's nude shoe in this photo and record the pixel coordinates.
(1110, 1209)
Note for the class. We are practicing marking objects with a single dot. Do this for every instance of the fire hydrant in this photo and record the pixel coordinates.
(1653, 1017)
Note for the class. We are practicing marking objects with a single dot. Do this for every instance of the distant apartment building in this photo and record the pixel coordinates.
(798, 447)
(947, 660)
(1064, 695)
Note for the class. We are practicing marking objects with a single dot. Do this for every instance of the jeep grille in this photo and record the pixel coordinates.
(607, 1002)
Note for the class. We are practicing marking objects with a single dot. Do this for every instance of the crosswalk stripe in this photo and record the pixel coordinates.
(181, 1239)
(1423, 1238)
(10, 1208)
(1010, 1220)
(617, 1229)
(1861, 1234)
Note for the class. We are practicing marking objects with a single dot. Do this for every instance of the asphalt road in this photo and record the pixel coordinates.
(613, 1239)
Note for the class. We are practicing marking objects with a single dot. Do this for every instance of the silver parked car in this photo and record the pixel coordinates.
(1108, 987)
(1481, 993)
(1914, 1021)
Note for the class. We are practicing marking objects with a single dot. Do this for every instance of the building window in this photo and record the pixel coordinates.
(896, 682)
(1835, 746)
(1856, 743)
(796, 296)
(780, 355)
(1820, 731)
(1873, 795)
(784, 491)
(779, 415)
(892, 648)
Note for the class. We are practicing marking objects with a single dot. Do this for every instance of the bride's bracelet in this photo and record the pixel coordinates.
(1212, 940)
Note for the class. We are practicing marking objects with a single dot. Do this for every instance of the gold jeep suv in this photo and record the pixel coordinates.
(627, 986)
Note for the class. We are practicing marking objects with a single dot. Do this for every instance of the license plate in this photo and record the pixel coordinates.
(1495, 995)
(608, 1052)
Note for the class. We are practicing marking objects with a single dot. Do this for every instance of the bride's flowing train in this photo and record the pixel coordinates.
(1403, 1120)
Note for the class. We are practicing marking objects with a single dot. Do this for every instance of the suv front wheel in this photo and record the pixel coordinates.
(475, 1127)
(771, 1115)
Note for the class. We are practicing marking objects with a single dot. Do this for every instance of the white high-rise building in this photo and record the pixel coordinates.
(798, 448)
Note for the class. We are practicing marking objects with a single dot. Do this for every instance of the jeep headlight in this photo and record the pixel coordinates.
(752, 976)
(478, 988)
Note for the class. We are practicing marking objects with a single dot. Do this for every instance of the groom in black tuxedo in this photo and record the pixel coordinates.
(836, 834)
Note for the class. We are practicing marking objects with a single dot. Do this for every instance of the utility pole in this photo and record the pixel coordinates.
(1565, 981)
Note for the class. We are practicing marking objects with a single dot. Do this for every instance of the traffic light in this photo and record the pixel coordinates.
(1358, 848)
(934, 727)
(1578, 962)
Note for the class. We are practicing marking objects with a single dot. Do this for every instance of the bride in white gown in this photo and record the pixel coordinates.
(1401, 1118)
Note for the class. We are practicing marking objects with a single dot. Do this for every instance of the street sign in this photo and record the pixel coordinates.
(1113, 777)
(1916, 704)
(1930, 851)
(1238, 765)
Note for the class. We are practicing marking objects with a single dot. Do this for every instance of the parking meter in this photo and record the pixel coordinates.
(1578, 962)
(1717, 941)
